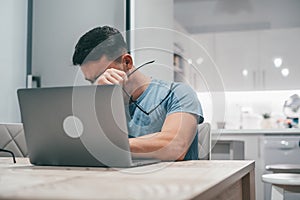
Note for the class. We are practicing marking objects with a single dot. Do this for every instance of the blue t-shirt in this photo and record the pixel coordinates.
(174, 97)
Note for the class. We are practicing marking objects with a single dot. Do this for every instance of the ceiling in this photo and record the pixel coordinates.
(202, 16)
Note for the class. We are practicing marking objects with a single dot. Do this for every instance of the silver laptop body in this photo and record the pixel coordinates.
(76, 126)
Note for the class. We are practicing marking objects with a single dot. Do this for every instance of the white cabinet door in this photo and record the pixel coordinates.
(201, 70)
(237, 59)
(284, 44)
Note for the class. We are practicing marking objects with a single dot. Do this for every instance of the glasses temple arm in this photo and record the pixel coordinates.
(152, 61)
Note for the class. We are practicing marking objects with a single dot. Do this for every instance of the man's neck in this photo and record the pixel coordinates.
(137, 84)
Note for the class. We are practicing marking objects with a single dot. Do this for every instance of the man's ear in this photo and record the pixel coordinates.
(127, 61)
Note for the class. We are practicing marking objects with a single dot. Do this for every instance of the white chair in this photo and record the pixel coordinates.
(284, 168)
(282, 182)
(204, 141)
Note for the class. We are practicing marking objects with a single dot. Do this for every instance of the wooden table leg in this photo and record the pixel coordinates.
(248, 184)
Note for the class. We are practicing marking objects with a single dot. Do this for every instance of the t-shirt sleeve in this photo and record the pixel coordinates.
(184, 99)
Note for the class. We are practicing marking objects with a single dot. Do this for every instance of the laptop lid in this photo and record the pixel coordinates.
(75, 126)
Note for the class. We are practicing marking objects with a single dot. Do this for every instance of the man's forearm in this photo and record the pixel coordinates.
(172, 143)
(158, 145)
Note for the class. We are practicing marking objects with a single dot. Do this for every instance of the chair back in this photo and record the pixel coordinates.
(204, 141)
(12, 138)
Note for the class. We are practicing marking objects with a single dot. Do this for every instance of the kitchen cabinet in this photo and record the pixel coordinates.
(236, 52)
(228, 150)
(201, 71)
(245, 59)
(255, 52)
(284, 44)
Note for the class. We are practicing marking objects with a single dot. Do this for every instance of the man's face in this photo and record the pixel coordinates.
(93, 69)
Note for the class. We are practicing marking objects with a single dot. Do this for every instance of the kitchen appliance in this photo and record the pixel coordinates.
(291, 109)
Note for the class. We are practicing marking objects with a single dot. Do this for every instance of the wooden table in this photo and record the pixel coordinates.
(167, 180)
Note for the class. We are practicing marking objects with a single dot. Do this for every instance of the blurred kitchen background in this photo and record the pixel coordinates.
(240, 56)
(255, 45)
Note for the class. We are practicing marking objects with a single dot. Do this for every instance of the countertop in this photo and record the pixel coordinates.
(292, 131)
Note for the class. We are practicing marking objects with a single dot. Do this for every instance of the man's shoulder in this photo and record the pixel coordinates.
(182, 89)
(182, 86)
(176, 86)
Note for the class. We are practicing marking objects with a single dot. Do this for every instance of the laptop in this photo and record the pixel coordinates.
(77, 126)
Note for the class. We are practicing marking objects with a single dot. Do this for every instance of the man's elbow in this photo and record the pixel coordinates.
(178, 151)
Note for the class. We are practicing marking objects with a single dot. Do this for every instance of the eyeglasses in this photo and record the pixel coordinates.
(141, 108)
(131, 100)
(10, 152)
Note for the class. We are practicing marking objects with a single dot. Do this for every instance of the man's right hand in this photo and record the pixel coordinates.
(111, 77)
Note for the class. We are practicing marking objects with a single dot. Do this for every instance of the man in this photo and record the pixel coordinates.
(162, 116)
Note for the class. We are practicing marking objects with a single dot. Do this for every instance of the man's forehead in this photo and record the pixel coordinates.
(103, 62)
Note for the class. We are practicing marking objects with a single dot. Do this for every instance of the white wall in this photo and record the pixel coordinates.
(153, 37)
(57, 26)
(13, 35)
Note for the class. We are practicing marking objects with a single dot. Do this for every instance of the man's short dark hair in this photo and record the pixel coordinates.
(98, 42)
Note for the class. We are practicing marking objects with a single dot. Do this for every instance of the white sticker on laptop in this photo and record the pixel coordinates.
(73, 126)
